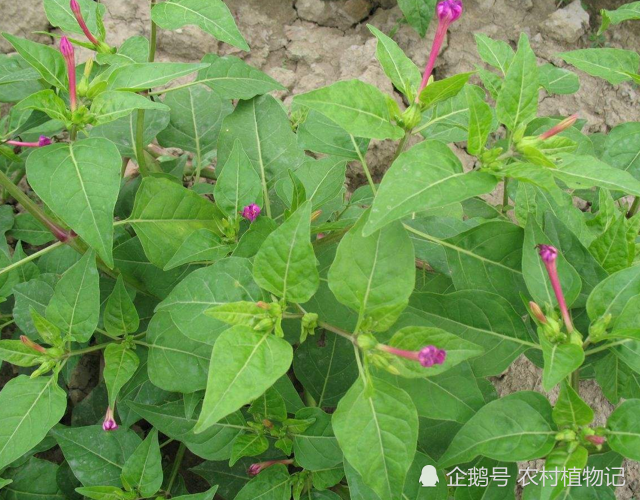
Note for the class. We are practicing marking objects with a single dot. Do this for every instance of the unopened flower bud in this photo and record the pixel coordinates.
(109, 423)
(75, 8)
(431, 355)
(549, 255)
(596, 440)
(537, 312)
(560, 127)
(30, 343)
(598, 329)
(449, 11)
(69, 56)
(257, 468)
(366, 342)
(251, 212)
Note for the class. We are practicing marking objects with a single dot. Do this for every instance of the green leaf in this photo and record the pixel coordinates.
(244, 364)
(49, 103)
(47, 331)
(105, 493)
(570, 409)
(143, 469)
(232, 78)
(213, 444)
(359, 108)
(273, 483)
(212, 16)
(480, 122)
(560, 360)
(120, 364)
(165, 214)
(28, 229)
(176, 362)
(196, 118)
(319, 134)
(623, 428)
(429, 175)
(622, 148)
(75, 305)
(201, 246)
(401, 70)
(285, 264)
(611, 248)
(614, 65)
(515, 428)
(316, 448)
(133, 50)
(120, 315)
(374, 275)
(29, 408)
(248, 445)
(418, 13)
(143, 76)
(60, 15)
(495, 53)
(35, 294)
(17, 79)
(238, 185)
(112, 105)
(207, 495)
(17, 353)
(45, 59)
(377, 434)
(625, 12)
(612, 294)
(96, 457)
(517, 102)
(36, 479)
(558, 80)
(270, 405)
(584, 172)
(442, 90)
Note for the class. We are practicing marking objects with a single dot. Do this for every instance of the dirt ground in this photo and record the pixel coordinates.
(305, 44)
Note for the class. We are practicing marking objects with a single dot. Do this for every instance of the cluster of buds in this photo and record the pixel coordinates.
(109, 423)
(42, 142)
(48, 359)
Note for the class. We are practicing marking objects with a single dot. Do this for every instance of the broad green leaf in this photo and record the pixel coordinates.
(263, 128)
(133, 50)
(629, 351)
(515, 428)
(248, 445)
(316, 448)
(502, 487)
(414, 338)
(418, 13)
(560, 360)
(105, 493)
(492, 82)
(47, 102)
(19, 354)
(201, 246)
(120, 364)
(377, 433)
(622, 148)
(611, 248)
(143, 469)
(616, 379)
(60, 15)
(517, 102)
(442, 90)
(143, 76)
(238, 185)
(75, 305)
(165, 214)
(319, 134)
(374, 275)
(28, 229)
(96, 457)
(359, 108)
(626, 12)
(480, 122)
(244, 364)
(45, 59)
(206, 495)
(120, 315)
(28, 409)
(228, 280)
(47, 331)
(612, 294)
(36, 479)
(112, 105)
(232, 78)
(429, 175)
(401, 70)
(558, 80)
(584, 172)
(614, 65)
(570, 409)
(285, 264)
(213, 444)
(35, 294)
(480, 317)
(80, 183)
(17, 79)
(212, 16)
(176, 362)
(535, 274)
(623, 427)
(273, 483)
(195, 120)
(495, 53)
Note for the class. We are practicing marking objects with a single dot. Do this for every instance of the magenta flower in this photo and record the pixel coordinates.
(43, 141)
(427, 356)
(549, 254)
(109, 423)
(257, 468)
(75, 8)
(448, 12)
(69, 56)
(563, 125)
(251, 212)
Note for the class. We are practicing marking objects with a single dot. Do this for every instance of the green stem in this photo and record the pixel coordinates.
(401, 145)
(177, 87)
(142, 162)
(604, 347)
(176, 467)
(505, 195)
(10, 322)
(73, 133)
(363, 162)
(93, 348)
(575, 380)
(31, 257)
(634, 207)
(338, 331)
(153, 36)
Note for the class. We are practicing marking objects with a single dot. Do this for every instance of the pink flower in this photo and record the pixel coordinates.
(448, 12)
(75, 8)
(69, 56)
(427, 356)
(251, 212)
(257, 468)
(563, 125)
(43, 141)
(549, 254)
(109, 423)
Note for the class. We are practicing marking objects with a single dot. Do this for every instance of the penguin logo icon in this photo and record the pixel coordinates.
(429, 476)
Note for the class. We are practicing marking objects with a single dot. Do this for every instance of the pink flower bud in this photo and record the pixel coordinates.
(449, 10)
(43, 141)
(549, 254)
(431, 355)
(69, 56)
(109, 423)
(257, 468)
(563, 125)
(75, 8)
(537, 312)
(251, 212)
(30, 343)
(597, 440)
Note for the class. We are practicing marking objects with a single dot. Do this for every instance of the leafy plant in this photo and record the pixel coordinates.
(304, 341)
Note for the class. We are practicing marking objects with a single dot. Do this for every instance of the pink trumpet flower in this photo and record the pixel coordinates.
(75, 8)
(549, 255)
(563, 125)
(251, 212)
(109, 423)
(69, 56)
(427, 356)
(43, 141)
